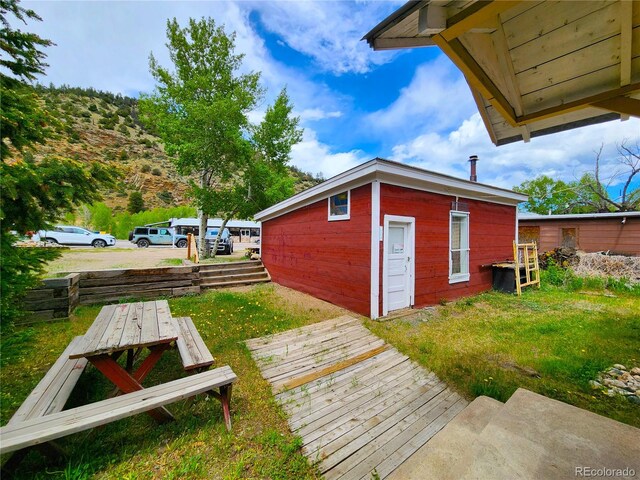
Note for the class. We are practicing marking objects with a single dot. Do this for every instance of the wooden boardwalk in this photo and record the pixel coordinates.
(357, 403)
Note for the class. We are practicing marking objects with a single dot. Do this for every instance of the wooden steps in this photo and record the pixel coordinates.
(358, 404)
(233, 274)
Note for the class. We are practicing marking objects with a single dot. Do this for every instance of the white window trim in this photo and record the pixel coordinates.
(334, 218)
(459, 277)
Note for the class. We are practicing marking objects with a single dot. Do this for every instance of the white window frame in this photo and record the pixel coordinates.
(333, 218)
(458, 277)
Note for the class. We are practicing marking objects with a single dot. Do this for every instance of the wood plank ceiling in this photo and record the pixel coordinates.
(534, 67)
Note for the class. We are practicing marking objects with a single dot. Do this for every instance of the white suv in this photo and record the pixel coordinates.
(68, 235)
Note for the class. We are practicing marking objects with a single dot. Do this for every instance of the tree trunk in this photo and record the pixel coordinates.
(215, 244)
(202, 244)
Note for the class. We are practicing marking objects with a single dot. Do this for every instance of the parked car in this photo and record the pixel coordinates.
(69, 235)
(225, 245)
(145, 236)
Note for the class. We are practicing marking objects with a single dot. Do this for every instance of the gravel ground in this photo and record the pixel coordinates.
(125, 255)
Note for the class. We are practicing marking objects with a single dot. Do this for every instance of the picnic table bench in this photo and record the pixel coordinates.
(117, 329)
(37, 430)
(193, 352)
(53, 391)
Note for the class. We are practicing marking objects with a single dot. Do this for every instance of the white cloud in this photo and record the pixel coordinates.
(437, 97)
(563, 156)
(311, 155)
(329, 31)
(311, 114)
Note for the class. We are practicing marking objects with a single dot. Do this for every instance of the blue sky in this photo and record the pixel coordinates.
(411, 106)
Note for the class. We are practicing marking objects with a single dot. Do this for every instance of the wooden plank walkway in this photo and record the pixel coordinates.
(358, 404)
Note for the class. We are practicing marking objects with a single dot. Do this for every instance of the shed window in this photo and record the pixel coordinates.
(339, 206)
(459, 247)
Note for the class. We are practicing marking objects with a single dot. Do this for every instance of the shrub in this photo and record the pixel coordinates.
(157, 172)
(145, 168)
(124, 130)
(122, 156)
(165, 196)
(136, 202)
(93, 108)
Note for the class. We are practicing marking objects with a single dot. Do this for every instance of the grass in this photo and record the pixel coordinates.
(551, 341)
(197, 445)
(489, 344)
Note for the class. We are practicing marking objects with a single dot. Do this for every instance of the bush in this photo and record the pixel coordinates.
(157, 172)
(93, 108)
(123, 155)
(136, 202)
(165, 196)
(145, 168)
(124, 130)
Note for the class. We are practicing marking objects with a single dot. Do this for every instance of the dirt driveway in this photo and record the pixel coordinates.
(83, 259)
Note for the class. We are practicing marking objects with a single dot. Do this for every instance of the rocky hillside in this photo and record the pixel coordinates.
(102, 126)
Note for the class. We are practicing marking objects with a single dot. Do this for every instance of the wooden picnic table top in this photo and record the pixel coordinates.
(127, 326)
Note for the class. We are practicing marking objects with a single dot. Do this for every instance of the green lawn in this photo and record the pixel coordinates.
(197, 445)
(486, 345)
(493, 343)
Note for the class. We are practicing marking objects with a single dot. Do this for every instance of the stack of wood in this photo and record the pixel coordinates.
(561, 256)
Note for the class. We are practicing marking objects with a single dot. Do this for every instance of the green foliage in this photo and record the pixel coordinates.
(589, 194)
(146, 168)
(200, 108)
(547, 195)
(157, 172)
(124, 130)
(165, 196)
(93, 108)
(136, 202)
(21, 269)
(101, 217)
(122, 156)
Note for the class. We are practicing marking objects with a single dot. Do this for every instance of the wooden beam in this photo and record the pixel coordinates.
(622, 105)
(483, 113)
(626, 36)
(397, 43)
(296, 382)
(432, 19)
(499, 39)
(593, 100)
(475, 15)
(476, 76)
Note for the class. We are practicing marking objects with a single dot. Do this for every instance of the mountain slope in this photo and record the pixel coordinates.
(105, 127)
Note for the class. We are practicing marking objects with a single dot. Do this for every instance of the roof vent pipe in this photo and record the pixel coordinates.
(473, 159)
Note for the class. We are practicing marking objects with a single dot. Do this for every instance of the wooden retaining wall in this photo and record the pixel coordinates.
(105, 286)
(56, 298)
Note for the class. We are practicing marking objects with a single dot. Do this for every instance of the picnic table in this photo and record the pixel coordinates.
(129, 327)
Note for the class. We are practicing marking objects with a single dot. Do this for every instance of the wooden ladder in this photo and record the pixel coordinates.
(528, 252)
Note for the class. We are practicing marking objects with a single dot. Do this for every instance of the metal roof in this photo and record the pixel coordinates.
(394, 173)
(534, 67)
(527, 216)
(213, 222)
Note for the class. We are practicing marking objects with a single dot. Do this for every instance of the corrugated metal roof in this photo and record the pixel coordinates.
(524, 216)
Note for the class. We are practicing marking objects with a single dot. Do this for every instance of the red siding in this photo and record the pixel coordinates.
(593, 235)
(491, 235)
(329, 260)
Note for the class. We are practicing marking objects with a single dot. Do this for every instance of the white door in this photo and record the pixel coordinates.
(399, 267)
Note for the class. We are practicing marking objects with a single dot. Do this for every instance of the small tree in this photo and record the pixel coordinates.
(136, 202)
(200, 109)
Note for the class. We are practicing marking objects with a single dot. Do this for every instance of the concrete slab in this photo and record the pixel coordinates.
(535, 437)
(448, 454)
(531, 437)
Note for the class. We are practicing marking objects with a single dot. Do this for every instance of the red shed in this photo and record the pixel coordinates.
(385, 236)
